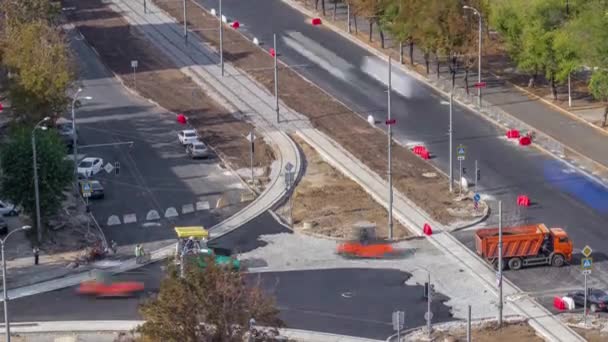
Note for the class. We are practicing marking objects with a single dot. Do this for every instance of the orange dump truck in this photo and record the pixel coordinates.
(525, 246)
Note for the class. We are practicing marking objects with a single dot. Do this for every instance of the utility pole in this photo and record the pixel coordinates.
(390, 142)
(469, 324)
(585, 305)
(348, 16)
(276, 77)
(569, 92)
(36, 191)
(476, 171)
(145, 7)
(451, 154)
(479, 64)
(221, 40)
(186, 23)
(460, 178)
(428, 306)
(500, 264)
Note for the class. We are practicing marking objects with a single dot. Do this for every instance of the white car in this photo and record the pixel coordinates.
(197, 149)
(8, 209)
(187, 137)
(90, 166)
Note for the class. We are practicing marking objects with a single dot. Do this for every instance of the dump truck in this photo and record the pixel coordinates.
(523, 246)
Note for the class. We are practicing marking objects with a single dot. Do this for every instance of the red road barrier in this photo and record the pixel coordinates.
(1, 107)
(427, 230)
(418, 149)
(523, 201)
(181, 118)
(559, 303)
(235, 25)
(525, 141)
(426, 155)
(271, 52)
(512, 134)
(316, 21)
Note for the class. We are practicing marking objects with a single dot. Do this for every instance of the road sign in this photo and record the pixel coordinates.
(476, 198)
(391, 122)
(109, 167)
(398, 320)
(251, 137)
(476, 205)
(427, 314)
(461, 152)
(134, 64)
(586, 272)
(86, 189)
(480, 84)
(587, 263)
(587, 251)
(288, 166)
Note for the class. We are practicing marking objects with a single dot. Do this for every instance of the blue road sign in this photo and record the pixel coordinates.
(476, 198)
(587, 263)
(461, 151)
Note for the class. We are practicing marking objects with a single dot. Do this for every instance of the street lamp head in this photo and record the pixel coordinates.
(89, 98)
(26, 227)
(46, 118)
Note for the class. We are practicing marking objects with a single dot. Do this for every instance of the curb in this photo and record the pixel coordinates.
(428, 83)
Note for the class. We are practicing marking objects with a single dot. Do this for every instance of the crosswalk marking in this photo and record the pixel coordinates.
(113, 220)
(129, 218)
(187, 208)
(202, 205)
(171, 212)
(152, 215)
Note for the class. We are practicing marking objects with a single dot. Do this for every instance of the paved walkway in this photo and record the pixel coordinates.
(242, 92)
(502, 100)
(39, 331)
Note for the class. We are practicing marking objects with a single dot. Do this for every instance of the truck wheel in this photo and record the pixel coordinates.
(558, 260)
(515, 264)
(495, 264)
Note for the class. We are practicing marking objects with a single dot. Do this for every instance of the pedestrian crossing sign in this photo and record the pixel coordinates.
(461, 150)
(587, 263)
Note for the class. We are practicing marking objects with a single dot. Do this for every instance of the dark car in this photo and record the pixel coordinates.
(97, 191)
(597, 300)
(3, 226)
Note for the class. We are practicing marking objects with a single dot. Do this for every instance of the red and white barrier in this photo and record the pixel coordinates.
(182, 119)
(427, 230)
(559, 304)
(422, 152)
(513, 134)
(525, 140)
(523, 201)
(256, 41)
(272, 52)
(235, 25)
(316, 21)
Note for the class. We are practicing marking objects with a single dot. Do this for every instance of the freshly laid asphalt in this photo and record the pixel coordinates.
(561, 196)
(155, 172)
(356, 302)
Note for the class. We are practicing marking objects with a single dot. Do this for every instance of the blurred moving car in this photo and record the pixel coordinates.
(3, 226)
(90, 166)
(66, 132)
(597, 300)
(103, 286)
(197, 149)
(187, 136)
(356, 249)
(97, 190)
(8, 209)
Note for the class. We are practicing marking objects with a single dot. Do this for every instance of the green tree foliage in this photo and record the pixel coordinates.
(598, 85)
(17, 176)
(40, 63)
(217, 297)
(398, 19)
(17, 12)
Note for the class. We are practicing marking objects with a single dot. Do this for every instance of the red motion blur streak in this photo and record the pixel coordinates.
(357, 249)
(116, 289)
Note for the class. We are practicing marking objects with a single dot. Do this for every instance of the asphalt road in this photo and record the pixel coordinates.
(356, 302)
(561, 196)
(155, 176)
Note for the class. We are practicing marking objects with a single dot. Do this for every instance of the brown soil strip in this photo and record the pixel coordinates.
(158, 79)
(328, 115)
(490, 333)
(333, 203)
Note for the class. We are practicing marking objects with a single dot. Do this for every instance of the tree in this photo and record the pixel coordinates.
(214, 304)
(598, 85)
(17, 12)
(17, 180)
(399, 20)
(40, 63)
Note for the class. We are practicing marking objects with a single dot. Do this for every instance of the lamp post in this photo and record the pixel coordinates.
(5, 297)
(478, 14)
(35, 163)
(74, 135)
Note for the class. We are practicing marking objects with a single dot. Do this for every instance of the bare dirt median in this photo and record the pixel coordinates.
(158, 79)
(333, 203)
(346, 127)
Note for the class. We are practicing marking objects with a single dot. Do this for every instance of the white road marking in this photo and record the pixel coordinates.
(129, 218)
(171, 212)
(150, 224)
(187, 208)
(113, 220)
(202, 205)
(117, 117)
(317, 54)
(445, 103)
(377, 69)
(152, 215)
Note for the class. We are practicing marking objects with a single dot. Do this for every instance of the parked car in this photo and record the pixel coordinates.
(597, 300)
(90, 166)
(97, 191)
(187, 136)
(197, 149)
(64, 128)
(8, 209)
(3, 227)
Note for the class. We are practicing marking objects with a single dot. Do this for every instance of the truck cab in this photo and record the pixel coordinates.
(561, 243)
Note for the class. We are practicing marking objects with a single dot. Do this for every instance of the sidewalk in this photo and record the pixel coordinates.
(201, 64)
(560, 132)
(85, 328)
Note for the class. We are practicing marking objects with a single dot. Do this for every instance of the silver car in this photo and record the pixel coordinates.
(197, 149)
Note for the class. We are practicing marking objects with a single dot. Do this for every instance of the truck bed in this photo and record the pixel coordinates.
(522, 241)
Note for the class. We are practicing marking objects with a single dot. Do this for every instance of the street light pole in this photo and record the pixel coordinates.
(36, 191)
(500, 261)
(276, 77)
(186, 23)
(478, 14)
(390, 166)
(221, 40)
(451, 133)
(4, 291)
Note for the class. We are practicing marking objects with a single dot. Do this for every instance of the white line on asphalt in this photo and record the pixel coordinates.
(202, 205)
(113, 220)
(187, 208)
(152, 215)
(171, 212)
(129, 218)
(116, 117)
